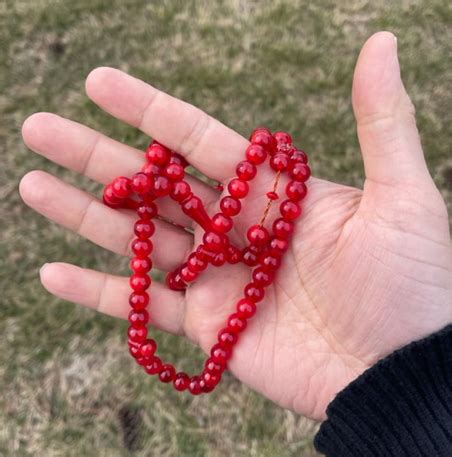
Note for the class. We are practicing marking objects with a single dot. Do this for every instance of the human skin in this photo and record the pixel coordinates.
(369, 270)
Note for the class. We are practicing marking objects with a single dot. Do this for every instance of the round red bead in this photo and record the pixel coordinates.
(150, 169)
(296, 190)
(144, 229)
(220, 354)
(141, 183)
(262, 277)
(161, 186)
(174, 172)
(141, 264)
(219, 259)
(158, 154)
(278, 246)
(227, 338)
(142, 248)
(137, 334)
(195, 385)
(265, 139)
(221, 223)
(282, 228)
(196, 264)
(148, 348)
(167, 373)
(299, 171)
(181, 381)
(246, 308)
(138, 318)
(236, 324)
(233, 255)
(147, 211)
(187, 275)
(246, 170)
(211, 379)
(238, 188)
(299, 156)
(214, 241)
(139, 300)
(254, 292)
(282, 138)
(154, 366)
(279, 162)
(256, 154)
(258, 235)
(180, 191)
(139, 282)
(290, 210)
(110, 199)
(230, 206)
(250, 256)
(270, 261)
(121, 187)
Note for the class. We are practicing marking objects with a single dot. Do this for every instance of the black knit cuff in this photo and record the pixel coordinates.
(402, 406)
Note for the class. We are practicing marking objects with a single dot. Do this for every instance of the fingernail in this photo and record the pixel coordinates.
(42, 269)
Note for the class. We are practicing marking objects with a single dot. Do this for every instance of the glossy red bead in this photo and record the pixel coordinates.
(137, 334)
(187, 275)
(299, 171)
(138, 318)
(262, 277)
(265, 139)
(158, 154)
(151, 169)
(227, 338)
(139, 300)
(141, 183)
(196, 264)
(296, 190)
(210, 366)
(221, 223)
(230, 206)
(195, 385)
(139, 282)
(179, 159)
(174, 280)
(246, 308)
(147, 211)
(272, 196)
(238, 188)
(142, 248)
(174, 172)
(134, 349)
(220, 354)
(144, 229)
(290, 210)
(219, 259)
(154, 366)
(299, 156)
(233, 255)
(236, 324)
(279, 162)
(180, 191)
(211, 379)
(256, 154)
(181, 381)
(121, 187)
(140, 264)
(246, 170)
(250, 256)
(278, 246)
(148, 348)
(213, 241)
(110, 199)
(258, 235)
(161, 186)
(282, 138)
(167, 373)
(282, 228)
(254, 292)
(270, 261)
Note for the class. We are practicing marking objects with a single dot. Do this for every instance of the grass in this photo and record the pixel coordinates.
(68, 386)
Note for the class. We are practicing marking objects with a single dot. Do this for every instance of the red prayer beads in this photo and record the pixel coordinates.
(163, 175)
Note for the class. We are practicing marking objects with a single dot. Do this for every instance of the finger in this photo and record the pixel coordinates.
(207, 144)
(109, 294)
(386, 125)
(88, 152)
(111, 229)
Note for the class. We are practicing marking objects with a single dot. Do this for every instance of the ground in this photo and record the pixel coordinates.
(68, 386)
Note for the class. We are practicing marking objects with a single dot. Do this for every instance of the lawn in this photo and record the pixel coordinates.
(69, 387)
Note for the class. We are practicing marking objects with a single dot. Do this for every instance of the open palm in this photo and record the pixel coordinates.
(367, 271)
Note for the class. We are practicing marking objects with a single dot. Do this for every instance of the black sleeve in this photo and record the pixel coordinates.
(400, 407)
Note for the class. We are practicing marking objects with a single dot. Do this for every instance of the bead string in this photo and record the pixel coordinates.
(163, 175)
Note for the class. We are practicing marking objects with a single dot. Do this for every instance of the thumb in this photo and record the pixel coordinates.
(387, 131)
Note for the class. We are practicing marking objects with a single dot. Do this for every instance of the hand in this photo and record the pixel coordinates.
(367, 272)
